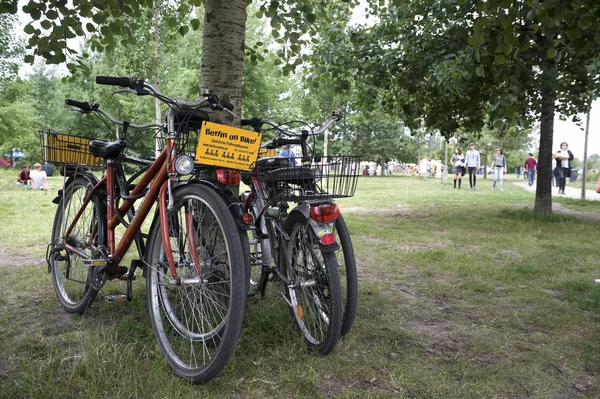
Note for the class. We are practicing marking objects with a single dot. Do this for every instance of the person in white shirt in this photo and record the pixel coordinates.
(38, 178)
(563, 165)
(472, 162)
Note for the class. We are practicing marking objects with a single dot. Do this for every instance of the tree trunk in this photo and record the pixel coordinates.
(223, 54)
(543, 194)
(156, 77)
(585, 148)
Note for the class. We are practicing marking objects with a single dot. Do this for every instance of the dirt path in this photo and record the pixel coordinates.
(570, 192)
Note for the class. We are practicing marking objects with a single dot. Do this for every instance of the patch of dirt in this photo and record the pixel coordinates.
(399, 211)
(560, 208)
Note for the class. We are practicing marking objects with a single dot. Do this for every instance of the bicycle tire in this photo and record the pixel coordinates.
(197, 325)
(318, 313)
(347, 267)
(72, 280)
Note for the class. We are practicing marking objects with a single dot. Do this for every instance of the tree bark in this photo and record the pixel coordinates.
(585, 148)
(223, 44)
(156, 73)
(543, 194)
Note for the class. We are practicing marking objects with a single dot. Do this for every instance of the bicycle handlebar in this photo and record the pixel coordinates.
(141, 87)
(113, 81)
(257, 124)
(85, 106)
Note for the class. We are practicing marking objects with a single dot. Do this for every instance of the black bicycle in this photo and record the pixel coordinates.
(300, 237)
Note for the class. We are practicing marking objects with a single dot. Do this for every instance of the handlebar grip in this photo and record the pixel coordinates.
(247, 122)
(83, 105)
(114, 81)
(227, 104)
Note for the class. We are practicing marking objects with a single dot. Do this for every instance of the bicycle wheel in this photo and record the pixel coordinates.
(197, 321)
(348, 275)
(73, 282)
(314, 287)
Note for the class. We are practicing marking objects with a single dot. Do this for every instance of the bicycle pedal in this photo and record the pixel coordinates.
(116, 298)
(125, 276)
(95, 262)
(252, 298)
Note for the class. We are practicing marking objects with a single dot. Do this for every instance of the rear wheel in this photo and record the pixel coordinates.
(75, 284)
(348, 275)
(197, 315)
(314, 288)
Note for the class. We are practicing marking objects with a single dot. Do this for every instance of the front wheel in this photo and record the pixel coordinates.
(197, 315)
(73, 281)
(314, 288)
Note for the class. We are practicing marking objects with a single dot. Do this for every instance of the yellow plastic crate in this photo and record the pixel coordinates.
(66, 149)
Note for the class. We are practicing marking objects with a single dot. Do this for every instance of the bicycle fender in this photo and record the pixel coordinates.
(320, 229)
(236, 208)
(88, 175)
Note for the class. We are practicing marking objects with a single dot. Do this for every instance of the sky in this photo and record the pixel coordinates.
(575, 137)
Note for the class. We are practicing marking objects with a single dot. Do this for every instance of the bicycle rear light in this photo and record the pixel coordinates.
(184, 165)
(328, 239)
(248, 219)
(325, 213)
(226, 176)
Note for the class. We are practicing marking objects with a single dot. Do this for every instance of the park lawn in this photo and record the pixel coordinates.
(462, 294)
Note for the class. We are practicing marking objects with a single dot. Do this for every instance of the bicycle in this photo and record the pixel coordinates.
(192, 257)
(303, 243)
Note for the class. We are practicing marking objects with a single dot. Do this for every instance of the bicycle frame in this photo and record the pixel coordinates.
(158, 176)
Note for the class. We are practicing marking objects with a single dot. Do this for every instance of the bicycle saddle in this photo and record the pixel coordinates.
(107, 149)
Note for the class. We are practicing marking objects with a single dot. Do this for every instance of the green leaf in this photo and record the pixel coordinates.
(183, 30)
(311, 18)
(572, 34)
(479, 71)
(585, 22)
(29, 59)
(551, 53)
(99, 18)
(195, 23)
(51, 14)
(275, 33)
(500, 59)
(29, 29)
(90, 27)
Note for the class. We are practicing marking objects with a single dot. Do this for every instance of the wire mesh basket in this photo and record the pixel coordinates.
(187, 128)
(317, 178)
(68, 150)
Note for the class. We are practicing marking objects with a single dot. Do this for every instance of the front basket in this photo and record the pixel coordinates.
(315, 178)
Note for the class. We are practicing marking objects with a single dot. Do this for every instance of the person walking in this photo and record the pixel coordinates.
(499, 168)
(472, 162)
(563, 165)
(458, 166)
(530, 168)
(518, 171)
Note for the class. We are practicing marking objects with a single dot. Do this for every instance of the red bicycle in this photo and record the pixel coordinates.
(192, 257)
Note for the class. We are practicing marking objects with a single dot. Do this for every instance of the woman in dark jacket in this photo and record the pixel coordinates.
(563, 165)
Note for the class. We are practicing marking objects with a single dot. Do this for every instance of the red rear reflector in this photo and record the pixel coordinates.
(226, 176)
(325, 213)
(248, 219)
(328, 239)
(222, 176)
(233, 177)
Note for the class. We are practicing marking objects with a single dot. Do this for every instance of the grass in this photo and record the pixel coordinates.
(462, 294)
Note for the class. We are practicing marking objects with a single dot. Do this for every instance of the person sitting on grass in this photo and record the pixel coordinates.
(23, 176)
(38, 178)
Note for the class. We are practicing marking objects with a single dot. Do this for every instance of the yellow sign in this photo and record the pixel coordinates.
(227, 146)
